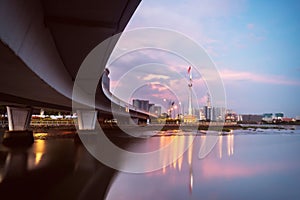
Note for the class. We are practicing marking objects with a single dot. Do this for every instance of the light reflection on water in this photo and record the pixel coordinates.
(239, 167)
(36, 157)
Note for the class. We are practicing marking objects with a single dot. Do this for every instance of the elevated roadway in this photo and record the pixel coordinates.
(43, 43)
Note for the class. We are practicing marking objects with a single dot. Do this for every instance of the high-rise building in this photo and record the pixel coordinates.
(155, 110)
(208, 109)
(141, 104)
(218, 113)
(207, 113)
(150, 106)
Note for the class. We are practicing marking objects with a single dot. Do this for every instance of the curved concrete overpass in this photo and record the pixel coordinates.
(43, 43)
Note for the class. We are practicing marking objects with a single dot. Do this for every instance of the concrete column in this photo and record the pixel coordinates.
(87, 119)
(18, 118)
(18, 124)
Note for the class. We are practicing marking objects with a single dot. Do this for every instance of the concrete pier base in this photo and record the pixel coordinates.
(18, 138)
(18, 124)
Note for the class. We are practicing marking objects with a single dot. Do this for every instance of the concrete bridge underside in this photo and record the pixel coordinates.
(43, 43)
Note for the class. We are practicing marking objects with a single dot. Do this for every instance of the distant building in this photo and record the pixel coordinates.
(201, 114)
(189, 119)
(287, 120)
(155, 110)
(212, 113)
(251, 119)
(207, 113)
(106, 80)
(141, 104)
(267, 117)
(279, 116)
(218, 114)
(150, 106)
(231, 117)
(196, 112)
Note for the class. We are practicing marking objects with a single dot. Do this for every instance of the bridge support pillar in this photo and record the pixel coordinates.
(18, 124)
(87, 119)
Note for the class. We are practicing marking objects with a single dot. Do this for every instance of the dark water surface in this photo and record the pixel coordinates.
(248, 164)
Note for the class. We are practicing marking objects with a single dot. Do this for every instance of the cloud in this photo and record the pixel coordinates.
(150, 77)
(196, 18)
(158, 87)
(236, 76)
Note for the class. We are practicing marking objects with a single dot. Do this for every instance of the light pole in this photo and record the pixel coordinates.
(175, 108)
(180, 109)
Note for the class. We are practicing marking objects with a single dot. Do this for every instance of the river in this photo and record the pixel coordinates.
(247, 164)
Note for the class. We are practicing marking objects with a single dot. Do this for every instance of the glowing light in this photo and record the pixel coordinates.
(191, 182)
(180, 163)
(38, 158)
(190, 151)
(220, 146)
(230, 144)
(39, 151)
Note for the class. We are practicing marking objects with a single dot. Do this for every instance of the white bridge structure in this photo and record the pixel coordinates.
(42, 45)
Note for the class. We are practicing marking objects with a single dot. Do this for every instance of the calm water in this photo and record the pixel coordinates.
(260, 164)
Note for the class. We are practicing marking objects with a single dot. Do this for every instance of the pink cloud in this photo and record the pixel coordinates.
(158, 87)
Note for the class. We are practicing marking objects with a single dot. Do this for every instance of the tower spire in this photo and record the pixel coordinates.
(190, 91)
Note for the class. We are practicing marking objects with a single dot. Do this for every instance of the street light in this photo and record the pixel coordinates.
(175, 108)
(169, 106)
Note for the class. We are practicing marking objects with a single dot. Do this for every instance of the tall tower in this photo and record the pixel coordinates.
(208, 103)
(208, 108)
(190, 110)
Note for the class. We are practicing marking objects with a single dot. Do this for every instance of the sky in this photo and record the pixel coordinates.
(254, 44)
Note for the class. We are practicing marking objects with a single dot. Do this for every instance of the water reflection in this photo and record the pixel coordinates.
(179, 145)
(224, 143)
(226, 173)
(230, 144)
(239, 167)
(52, 169)
(38, 152)
(220, 146)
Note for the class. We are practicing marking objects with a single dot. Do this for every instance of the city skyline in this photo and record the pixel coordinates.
(253, 45)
